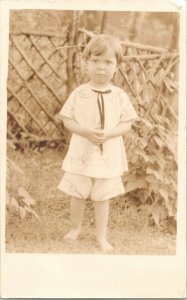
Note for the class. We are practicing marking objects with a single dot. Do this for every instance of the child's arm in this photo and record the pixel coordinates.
(91, 134)
(119, 130)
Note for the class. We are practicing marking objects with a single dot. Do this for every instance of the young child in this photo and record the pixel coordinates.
(98, 114)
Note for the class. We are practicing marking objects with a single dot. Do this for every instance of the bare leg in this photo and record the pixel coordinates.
(101, 216)
(76, 214)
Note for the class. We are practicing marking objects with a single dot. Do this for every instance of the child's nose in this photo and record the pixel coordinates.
(101, 65)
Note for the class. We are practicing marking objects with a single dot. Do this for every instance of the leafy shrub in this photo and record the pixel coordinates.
(153, 171)
(18, 200)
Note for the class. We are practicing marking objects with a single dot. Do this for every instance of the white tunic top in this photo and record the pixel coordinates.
(85, 158)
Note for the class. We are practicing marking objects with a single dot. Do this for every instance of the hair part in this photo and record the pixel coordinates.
(99, 45)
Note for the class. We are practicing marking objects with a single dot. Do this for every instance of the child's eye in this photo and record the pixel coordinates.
(108, 62)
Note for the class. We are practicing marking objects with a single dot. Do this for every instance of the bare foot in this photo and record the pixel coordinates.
(71, 235)
(105, 245)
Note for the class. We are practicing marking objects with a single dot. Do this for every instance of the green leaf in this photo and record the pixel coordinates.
(142, 154)
(130, 177)
(170, 145)
(14, 203)
(134, 159)
(150, 179)
(158, 174)
(163, 213)
(161, 162)
(169, 207)
(27, 199)
(144, 142)
(158, 141)
(30, 210)
(164, 193)
(170, 84)
(147, 123)
(138, 184)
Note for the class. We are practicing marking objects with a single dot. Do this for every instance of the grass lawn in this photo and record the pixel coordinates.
(128, 231)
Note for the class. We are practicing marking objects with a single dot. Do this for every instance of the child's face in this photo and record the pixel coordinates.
(101, 69)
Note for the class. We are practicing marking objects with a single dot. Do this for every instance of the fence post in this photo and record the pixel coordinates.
(71, 51)
(104, 22)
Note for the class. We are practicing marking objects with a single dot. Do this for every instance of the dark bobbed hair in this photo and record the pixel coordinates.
(99, 45)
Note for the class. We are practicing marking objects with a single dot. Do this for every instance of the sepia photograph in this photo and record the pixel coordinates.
(93, 147)
(98, 92)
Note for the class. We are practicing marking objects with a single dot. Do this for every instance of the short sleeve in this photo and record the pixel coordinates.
(68, 108)
(127, 110)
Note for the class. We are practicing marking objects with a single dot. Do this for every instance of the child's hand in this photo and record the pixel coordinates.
(96, 136)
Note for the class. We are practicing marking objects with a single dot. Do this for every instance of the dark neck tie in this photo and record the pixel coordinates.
(101, 106)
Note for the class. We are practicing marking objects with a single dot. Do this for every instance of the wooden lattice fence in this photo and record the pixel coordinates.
(37, 86)
(44, 68)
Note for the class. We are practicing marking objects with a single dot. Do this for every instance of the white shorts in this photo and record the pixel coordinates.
(97, 189)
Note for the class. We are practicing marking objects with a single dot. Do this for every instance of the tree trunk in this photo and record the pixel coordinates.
(138, 24)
